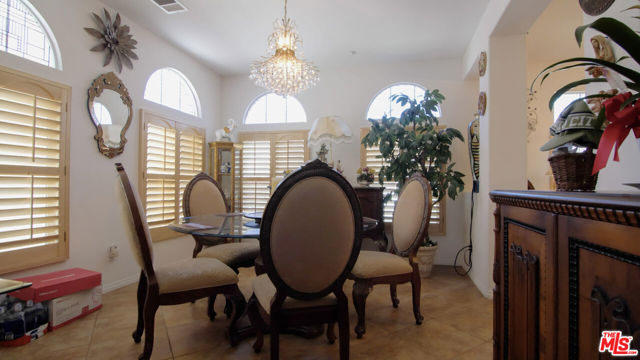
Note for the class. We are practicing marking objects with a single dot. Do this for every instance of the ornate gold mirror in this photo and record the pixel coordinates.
(110, 110)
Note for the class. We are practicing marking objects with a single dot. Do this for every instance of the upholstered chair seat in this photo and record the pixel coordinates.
(373, 264)
(191, 274)
(233, 254)
(399, 264)
(265, 292)
(310, 237)
(175, 283)
(204, 196)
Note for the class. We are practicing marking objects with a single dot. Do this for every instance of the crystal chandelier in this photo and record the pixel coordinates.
(283, 73)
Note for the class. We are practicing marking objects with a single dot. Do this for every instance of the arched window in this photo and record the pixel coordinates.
(169, 87)
(23, 32)
(382, 104)
(274, 109)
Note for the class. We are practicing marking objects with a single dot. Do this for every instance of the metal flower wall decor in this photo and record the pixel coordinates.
(115, 40)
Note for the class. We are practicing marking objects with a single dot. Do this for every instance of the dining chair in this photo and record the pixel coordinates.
(310, 238)
(399, 264)
(175, 283)
(203, 196)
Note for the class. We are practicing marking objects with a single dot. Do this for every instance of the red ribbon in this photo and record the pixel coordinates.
(621, 123)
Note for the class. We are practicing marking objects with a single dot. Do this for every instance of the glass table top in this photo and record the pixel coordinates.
(231, 225)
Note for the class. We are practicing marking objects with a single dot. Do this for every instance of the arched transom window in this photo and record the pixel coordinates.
(383, 105)
(24, 33)
(275, 109)
(169, 87)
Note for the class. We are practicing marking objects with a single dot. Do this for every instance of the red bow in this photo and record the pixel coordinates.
(621, 122)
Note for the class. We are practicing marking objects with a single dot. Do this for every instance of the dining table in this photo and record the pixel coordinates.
(235, 227)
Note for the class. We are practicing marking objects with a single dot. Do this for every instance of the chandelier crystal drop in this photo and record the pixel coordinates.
(283, 73)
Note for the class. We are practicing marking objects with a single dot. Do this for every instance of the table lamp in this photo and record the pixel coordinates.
(331, 129)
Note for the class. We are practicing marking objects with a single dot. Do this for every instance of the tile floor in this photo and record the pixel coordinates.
(457, 325)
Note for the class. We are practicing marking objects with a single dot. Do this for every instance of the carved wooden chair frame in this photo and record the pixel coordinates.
(362, 287)
(149, 297)
(201, 241)
(206, 241)
(279, 318)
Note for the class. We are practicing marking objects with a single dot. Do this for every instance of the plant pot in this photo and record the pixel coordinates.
(426, 255)
(572, 172)
(364, 183)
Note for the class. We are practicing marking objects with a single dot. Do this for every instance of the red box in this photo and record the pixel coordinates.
(56, 284)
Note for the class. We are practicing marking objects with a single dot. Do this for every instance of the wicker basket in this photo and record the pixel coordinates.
(572, 172)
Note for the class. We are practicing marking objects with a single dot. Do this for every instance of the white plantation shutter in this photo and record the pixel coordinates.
(33, 182)
(265, 157)
(172, 155)
(191, 158)
(290, 154)
(256, 174)
(371, 157)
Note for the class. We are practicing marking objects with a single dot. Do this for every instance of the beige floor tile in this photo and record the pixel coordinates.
(480, 352)
(457, 325)
(476, 319)
(440, 340)
(117, 343)
(198, 336)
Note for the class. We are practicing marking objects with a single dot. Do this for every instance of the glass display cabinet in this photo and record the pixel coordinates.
(224, 167)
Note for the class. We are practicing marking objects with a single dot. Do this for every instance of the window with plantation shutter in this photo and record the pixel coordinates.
(33, 171)
(172, 154)
(191, 157)
(371, 157)
(266, 156)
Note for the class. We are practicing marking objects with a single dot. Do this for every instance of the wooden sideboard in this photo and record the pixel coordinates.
(567, 267)
(372, 206)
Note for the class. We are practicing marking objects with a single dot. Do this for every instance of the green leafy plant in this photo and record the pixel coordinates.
(619, 33)
(416, 143)
(622, 111)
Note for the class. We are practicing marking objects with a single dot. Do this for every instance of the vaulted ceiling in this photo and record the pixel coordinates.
(228, 35)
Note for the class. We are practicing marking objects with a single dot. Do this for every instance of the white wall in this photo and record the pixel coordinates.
(503, 128)
(347, 92)
(95, 214)
(549, 40)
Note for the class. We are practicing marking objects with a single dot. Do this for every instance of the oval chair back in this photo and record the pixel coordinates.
(136, 224)
(311, 232)
(412, 213)
(203, 195)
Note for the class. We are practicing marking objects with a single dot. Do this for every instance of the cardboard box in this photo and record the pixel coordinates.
(58, 284)
(65, 309)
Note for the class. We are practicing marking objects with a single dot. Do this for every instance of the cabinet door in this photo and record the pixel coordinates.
(527, 307)
(370, 202)
(599, 284)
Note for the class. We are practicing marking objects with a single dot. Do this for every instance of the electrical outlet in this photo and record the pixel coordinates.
(113, 252)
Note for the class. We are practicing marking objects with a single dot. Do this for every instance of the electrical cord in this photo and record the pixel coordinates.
(466, 250)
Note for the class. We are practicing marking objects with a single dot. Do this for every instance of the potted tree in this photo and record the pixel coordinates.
(416, 143)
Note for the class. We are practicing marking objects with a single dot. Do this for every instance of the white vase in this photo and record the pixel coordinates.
(426, 255)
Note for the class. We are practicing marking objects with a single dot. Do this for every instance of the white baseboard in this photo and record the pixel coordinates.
(120, 283)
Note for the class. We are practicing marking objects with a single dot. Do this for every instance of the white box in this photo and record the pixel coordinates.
(65, 309)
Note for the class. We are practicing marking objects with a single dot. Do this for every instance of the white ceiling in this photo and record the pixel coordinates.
(228, 35)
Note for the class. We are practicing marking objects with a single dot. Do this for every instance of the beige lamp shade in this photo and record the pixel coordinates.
(331, 129)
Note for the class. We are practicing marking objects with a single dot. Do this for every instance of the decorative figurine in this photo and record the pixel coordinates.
(226, 133)
(322, 153)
